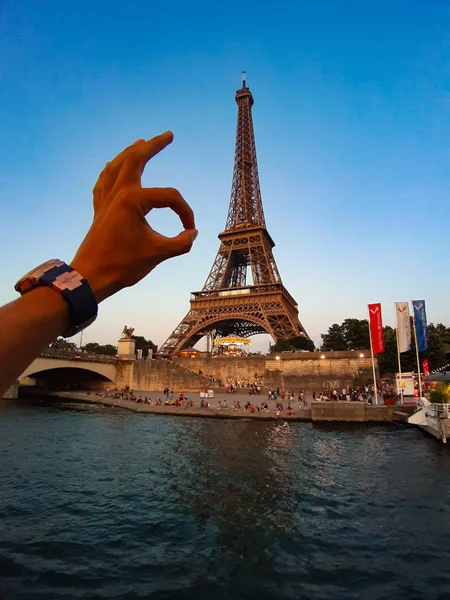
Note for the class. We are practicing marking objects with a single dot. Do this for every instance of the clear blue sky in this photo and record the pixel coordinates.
(352, 132)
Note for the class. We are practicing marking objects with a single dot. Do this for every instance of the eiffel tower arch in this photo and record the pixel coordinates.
(229, 303)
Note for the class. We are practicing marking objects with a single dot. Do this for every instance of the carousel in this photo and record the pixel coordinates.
(231, 345)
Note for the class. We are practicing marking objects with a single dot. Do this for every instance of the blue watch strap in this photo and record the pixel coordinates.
(83, 306)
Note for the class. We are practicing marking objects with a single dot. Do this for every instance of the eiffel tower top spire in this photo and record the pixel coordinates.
(246, 209)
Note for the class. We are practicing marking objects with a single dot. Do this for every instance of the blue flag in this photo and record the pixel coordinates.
(420, 323)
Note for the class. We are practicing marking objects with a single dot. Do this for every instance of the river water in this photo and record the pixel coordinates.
(101, 503)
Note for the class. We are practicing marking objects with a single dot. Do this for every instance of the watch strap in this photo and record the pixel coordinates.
(72, 286)
(77, 292)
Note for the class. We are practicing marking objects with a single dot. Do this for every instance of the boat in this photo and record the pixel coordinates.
(432, 418)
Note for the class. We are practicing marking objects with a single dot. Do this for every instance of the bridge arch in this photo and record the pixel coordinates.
(67, 373)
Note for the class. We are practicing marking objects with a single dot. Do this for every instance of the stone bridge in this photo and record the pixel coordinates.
(290, 371)
(58, 368)
(74, 370)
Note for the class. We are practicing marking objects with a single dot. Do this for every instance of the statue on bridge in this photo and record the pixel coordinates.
(127, 333)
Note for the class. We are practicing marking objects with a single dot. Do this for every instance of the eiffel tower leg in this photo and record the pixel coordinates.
(182, 334)
(282, 320)
(260, 311)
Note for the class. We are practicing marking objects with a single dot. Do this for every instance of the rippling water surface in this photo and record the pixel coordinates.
(97, 503)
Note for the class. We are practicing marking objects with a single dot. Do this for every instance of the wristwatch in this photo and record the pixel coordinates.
(71, 285)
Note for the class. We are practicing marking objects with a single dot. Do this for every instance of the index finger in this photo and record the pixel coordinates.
(150, 148)
(108, 176)
(148, 198)
(134, 163)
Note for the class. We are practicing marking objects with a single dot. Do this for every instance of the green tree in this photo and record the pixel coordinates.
(353, 334)
(442, 331)
(437, 336)
(144, 345)
(356, 334)
(334, 339)
(62, 344)
(299, 342)
(441, 395)
(94, 348)
(281, 345)
(387, 360)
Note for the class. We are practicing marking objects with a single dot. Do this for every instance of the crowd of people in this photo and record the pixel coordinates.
(129, 395)
(357, 394)
(253, 384)
(280, 401)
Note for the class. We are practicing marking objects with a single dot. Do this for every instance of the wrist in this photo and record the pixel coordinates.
(73, 289)
(47, 300)
(95, 280)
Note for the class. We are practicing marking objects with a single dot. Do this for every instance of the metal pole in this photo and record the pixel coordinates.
(419, 376)
(373, 367)
(398, 355)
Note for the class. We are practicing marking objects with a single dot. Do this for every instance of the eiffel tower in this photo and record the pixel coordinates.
(229, 303)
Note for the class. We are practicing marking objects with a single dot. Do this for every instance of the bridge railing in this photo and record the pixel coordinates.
(78, 355)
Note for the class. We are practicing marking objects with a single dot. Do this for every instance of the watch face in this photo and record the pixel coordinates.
(28, 281)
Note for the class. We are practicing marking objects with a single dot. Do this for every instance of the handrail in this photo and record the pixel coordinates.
(78, 355)
(262, 288)
(441, 411)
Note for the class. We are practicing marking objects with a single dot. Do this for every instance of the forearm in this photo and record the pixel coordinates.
(27, 326)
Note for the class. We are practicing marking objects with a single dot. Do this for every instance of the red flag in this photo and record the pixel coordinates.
(376, 328)
(426, 368)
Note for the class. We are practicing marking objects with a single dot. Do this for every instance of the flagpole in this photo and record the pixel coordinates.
(398, 355)
(373, 367)
(417, 356)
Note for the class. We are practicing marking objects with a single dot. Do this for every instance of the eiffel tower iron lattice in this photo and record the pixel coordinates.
(228, 303)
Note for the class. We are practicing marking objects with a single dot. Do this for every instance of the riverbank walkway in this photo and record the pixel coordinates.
(316, 411)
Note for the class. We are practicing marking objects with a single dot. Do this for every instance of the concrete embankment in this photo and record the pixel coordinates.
(195, 411)
(318, 411)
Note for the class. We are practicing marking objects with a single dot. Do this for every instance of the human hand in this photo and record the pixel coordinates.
(121, 248)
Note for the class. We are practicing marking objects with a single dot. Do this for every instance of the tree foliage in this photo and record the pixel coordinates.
(62, 344)
(144, 345)
(299, 342)
(353, 334)
(388, 360)
(441, 394)
(94, 348)
(334, 339)
(356, 334)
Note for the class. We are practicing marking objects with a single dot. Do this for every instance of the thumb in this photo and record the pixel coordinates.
(179, 244)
